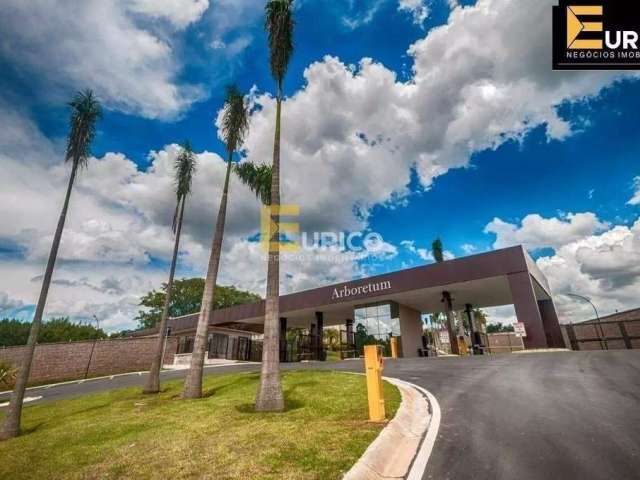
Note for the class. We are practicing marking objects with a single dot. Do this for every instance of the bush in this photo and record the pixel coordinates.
(7, 375)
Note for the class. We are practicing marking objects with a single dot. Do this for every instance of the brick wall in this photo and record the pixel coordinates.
(68, 361)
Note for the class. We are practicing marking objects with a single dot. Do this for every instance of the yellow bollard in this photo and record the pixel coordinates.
(394, 347)
(374, 366)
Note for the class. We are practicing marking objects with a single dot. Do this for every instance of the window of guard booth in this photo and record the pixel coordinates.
(376, 324)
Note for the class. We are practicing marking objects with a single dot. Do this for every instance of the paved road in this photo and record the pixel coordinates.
(564, 415)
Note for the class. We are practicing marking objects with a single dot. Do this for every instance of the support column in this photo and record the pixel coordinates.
(527, 312)
(451, 327)
(350, 341)
(474, 335)
(283, 339)
(349, 327)
(551, 324)
(320, 326)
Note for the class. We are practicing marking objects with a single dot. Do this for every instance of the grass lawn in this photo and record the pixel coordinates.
(125, 434)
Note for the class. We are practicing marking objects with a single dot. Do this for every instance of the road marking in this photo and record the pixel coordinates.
(424, 452)
(26, 400)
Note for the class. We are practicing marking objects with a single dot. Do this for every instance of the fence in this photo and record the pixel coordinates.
(608, 335)
(54, 362)
(504, 342)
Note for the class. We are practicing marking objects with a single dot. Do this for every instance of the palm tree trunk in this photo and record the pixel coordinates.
(11, 425)
(270, 397)
(193, 383)
(153, 382)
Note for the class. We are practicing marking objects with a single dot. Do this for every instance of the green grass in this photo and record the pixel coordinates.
(124, 434)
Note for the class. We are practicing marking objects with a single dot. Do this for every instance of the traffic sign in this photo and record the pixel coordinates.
(519, 329)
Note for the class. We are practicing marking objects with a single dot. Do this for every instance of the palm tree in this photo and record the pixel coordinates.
(185, 166)
(436, 249)
(85, 112)
(235, 125)
(279, 26)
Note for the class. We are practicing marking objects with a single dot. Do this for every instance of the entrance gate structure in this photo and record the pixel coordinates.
(500, 277)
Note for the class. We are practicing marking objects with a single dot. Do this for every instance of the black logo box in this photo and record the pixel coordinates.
(617, 15)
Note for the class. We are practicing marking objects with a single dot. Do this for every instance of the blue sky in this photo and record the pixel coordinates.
(479, 143)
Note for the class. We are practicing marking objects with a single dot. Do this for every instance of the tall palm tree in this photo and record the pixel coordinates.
(85, 112)
(235, 125)
(279, 26)
(184, 168)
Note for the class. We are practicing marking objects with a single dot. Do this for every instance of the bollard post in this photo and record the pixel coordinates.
(394, 347)
(374, 366)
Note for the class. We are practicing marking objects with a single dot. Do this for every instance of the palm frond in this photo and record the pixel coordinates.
(279, 25)
(85, 112)
(235, 119)
(185, 167)
(257, 178)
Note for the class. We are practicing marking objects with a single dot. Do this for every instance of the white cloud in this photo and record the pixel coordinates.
(355, 18)
(8, 304)
(97, 44)
(352, 125)
(350, 139)
(468, 248)
(635, 200)
(423, 253)
(603, 267)
(179, 12)
(417, 8)
(536, 232)
(590, 258)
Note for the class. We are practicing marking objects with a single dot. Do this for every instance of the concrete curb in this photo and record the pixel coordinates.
(402, 449)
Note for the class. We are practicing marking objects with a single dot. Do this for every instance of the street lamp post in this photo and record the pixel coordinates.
(603, 339)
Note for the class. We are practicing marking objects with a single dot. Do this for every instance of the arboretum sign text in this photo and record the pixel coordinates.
(346, 291)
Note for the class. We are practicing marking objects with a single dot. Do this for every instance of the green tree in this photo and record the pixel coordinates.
(279, 26)
(235, 125)
(186, 298)
(85, 112)
(15, 332)
(331, 338)
(185, 166)
(499, 327)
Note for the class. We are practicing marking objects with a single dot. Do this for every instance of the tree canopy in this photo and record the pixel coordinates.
(499, 327)
(186, 298)
(15, 332)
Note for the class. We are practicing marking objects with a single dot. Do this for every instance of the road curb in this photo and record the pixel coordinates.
(403, 447)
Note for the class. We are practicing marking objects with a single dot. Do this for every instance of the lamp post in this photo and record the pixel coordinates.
(603, 339)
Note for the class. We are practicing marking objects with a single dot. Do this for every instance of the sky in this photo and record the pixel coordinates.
(409, 119)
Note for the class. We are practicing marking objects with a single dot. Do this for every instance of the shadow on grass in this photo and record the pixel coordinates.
(31, 429)
(236, 383)
(291, 404)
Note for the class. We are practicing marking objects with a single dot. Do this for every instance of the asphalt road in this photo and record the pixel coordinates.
(561, 415)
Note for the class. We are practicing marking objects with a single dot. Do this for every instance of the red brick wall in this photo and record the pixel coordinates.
(68, 361)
